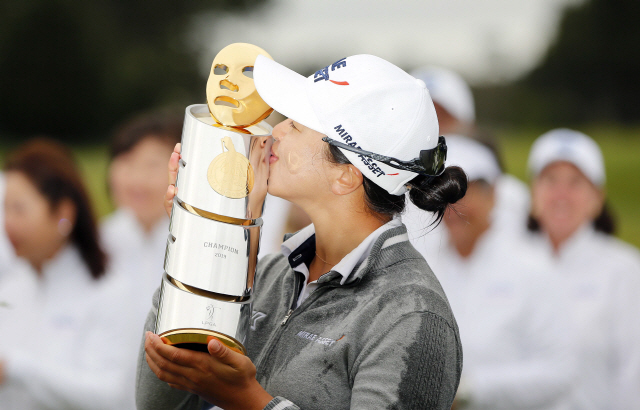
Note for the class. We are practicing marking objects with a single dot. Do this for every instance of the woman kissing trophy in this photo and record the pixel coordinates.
(216, 217)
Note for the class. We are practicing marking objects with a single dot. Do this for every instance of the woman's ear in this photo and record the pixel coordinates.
(348, 180)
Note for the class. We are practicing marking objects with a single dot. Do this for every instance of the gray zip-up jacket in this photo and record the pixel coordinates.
(385, 339)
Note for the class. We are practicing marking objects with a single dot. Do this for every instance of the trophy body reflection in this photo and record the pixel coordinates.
(216, 218)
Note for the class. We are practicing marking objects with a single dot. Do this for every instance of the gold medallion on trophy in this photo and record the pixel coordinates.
(230, 173)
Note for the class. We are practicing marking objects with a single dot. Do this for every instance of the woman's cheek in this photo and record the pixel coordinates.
(308, 160)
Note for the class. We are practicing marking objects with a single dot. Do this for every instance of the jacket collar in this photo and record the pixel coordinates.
(381, 256)
(355, 264)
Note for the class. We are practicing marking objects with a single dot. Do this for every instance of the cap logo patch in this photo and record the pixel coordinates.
(340, 82)
(369, 162)
(323, 74)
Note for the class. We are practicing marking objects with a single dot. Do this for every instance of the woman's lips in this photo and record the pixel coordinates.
(273, 158)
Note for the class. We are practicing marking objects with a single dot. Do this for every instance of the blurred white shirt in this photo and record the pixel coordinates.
(600, 277)
(61, 338)
(512, 330)
(137, 264)
(136, 255)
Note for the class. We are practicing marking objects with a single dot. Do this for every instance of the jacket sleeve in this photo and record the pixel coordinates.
(415, 364)
(151, 392)
(280, 403)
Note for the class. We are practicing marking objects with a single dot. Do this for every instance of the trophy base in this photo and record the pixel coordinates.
(191, 320)
(198, 339)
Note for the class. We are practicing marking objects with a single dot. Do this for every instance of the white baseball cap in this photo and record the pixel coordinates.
(477, 160)
(449, 90)
(362, 101)
(571, 146)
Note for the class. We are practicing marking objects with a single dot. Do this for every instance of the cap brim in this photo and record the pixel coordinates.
(285, 91)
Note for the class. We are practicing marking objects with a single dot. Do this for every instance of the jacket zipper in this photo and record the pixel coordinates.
(288, 315)
(278, 332)
(295, 300)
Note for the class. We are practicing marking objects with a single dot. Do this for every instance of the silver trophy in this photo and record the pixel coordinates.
(212, 248)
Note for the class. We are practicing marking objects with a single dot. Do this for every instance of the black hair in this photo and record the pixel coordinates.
(164, 126)
(51, 168)
(433, 194)
(604, 222)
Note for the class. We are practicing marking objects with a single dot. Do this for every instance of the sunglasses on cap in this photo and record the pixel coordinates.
(430, 162)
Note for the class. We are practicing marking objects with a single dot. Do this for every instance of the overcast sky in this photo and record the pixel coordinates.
(484, 40)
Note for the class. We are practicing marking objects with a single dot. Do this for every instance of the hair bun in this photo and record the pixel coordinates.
(435, 194)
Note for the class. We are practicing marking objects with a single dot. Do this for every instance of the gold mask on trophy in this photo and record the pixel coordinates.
(231, 93)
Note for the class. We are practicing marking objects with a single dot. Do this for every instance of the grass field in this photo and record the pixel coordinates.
(621, 148)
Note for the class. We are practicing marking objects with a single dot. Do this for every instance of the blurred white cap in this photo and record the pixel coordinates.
(477, 161)
(571, 146)
(449, 90)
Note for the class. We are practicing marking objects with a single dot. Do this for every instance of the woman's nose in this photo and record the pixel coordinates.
(279, 130)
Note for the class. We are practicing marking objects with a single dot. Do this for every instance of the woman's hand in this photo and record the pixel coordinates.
(174, 162)
(221, 377)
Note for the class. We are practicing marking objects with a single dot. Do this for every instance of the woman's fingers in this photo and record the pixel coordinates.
(174, 163)
(173, 356)
(225, 355)
(174, 380)
(168, 198)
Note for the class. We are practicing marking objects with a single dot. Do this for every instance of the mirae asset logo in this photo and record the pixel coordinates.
(323, 73)
(327, 341)
(348, 139)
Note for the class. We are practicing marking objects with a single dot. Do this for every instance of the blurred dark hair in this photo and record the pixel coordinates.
(162, 125)
(51, 168)
(605, 222)
(433, 194)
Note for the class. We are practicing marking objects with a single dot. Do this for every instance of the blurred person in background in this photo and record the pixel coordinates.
(598, 273)
(7, 255)
(135, 234)
(452, 98)
(502, 297)
(455, 108)
(59, 347)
